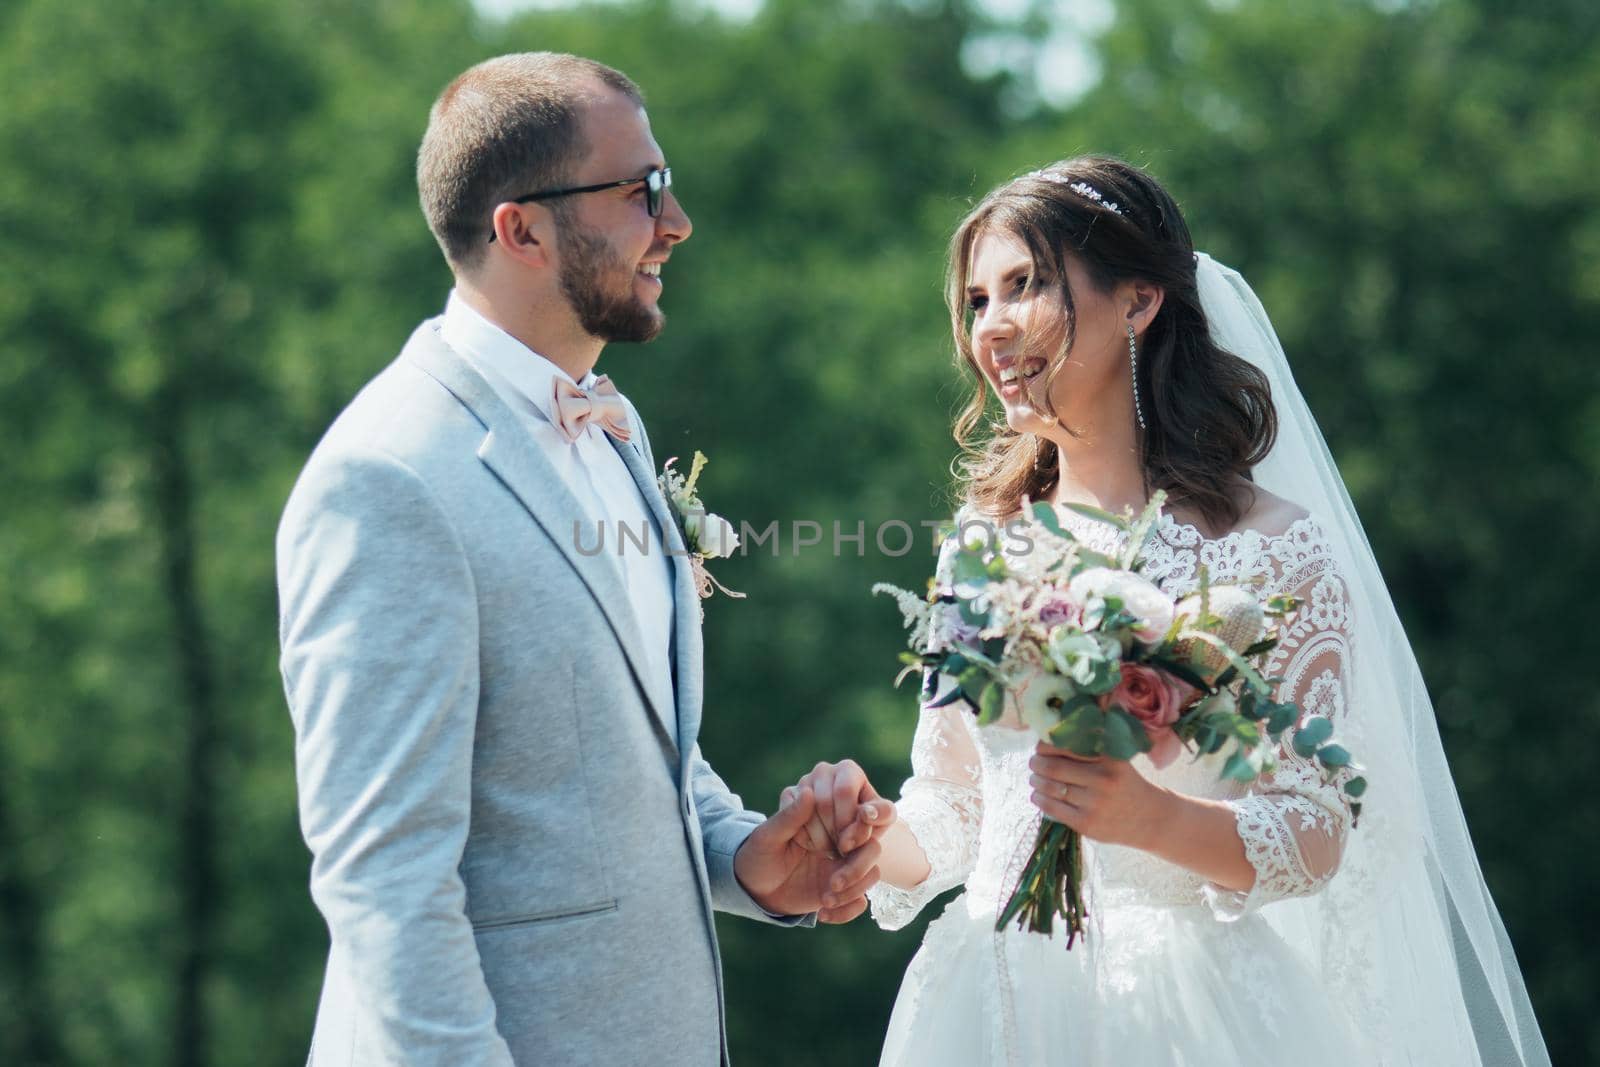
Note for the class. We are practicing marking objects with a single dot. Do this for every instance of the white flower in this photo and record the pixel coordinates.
(1040, 698)
(1094, 661)
(713, 534)
(1140, 598)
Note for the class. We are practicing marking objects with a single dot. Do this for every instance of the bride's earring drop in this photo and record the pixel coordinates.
(1133, 361)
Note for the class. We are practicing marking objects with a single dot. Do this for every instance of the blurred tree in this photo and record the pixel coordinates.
(158, 155)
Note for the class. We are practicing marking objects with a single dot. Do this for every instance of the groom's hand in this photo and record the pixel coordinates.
(786, 877)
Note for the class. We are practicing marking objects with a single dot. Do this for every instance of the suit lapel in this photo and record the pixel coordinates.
(686, 650)
(518, 462)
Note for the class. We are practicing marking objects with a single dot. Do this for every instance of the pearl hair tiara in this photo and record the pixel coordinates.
(1082, 188)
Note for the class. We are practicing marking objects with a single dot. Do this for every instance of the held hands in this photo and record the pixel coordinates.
(1103, 799)
(849, 811)
(795, 862)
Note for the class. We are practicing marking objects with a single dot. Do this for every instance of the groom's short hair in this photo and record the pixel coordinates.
(505, 128)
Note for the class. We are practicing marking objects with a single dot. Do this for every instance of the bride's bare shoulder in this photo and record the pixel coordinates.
(1267, 513)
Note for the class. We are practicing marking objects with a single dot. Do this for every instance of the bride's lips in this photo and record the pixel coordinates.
(1012, 374)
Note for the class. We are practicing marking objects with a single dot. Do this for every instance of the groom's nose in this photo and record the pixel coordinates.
(673, 224)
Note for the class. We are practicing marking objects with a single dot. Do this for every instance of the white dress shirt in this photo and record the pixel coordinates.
(590, 467)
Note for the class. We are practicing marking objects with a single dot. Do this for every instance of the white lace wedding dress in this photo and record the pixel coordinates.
(1174, 971)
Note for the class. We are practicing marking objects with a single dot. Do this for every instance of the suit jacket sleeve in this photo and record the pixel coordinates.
(380, 666)
(724, 824)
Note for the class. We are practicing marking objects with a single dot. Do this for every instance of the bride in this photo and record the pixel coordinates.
(1229, 924)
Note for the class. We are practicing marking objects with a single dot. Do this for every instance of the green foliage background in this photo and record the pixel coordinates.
(209, 239)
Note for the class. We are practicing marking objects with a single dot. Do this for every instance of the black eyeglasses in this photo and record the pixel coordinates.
(656, 184)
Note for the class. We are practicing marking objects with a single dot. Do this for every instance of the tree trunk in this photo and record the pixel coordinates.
(30, 1022)
(199, 884)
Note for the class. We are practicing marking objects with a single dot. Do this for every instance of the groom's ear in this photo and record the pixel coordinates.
(525, 232)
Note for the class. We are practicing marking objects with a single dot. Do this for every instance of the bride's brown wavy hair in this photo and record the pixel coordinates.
(1209, 413)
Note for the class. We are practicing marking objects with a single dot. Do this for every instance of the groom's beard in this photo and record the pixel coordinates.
(599, 286)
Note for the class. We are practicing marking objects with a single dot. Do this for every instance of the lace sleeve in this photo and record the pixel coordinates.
(1292, 822)
(941, 803)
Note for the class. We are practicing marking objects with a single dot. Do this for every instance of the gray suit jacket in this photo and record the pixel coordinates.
(515, 843)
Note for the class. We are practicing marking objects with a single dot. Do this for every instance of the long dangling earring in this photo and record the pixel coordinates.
(1133, 361)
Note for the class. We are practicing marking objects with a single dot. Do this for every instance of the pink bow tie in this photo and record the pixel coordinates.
(575, 408)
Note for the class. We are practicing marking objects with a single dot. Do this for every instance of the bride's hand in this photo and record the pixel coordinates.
(813, 837)
(1103, 799)
(849, 811)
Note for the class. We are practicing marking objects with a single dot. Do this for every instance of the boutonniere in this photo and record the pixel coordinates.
(706, 536)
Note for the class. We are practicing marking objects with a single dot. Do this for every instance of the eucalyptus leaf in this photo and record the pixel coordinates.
(1281, 718)
(1356, 787)
(1081, 730)
(969, 568)
(1125, 736)
(1238, 768)
(1046, 516)
(1333, 756)
(1310, 736)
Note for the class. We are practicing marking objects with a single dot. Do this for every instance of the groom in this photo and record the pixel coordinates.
(516, 845)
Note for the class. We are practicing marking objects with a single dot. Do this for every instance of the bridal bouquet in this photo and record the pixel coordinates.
(1093, 657)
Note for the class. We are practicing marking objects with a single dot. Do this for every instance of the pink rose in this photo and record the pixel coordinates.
(1156, 701)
